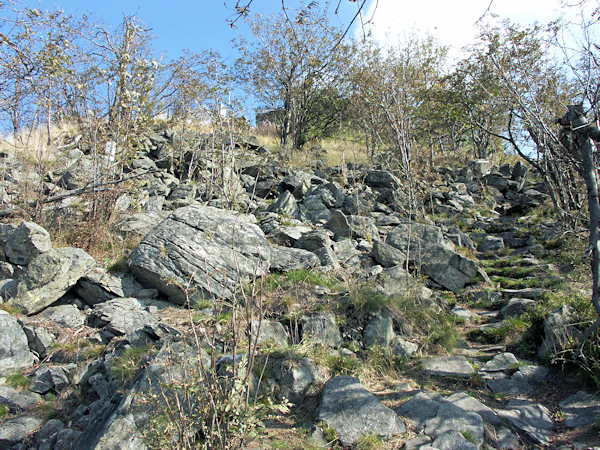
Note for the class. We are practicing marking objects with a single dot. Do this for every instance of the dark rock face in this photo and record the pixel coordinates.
(349, 408)
(202, 247)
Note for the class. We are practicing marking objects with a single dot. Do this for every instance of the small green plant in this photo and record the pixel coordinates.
(329, 433)
(18, 381)
(12, 309)
(469, 436)
(4, 412)
(93, 351)
(126, 366)
(369, 441)
(342, 364)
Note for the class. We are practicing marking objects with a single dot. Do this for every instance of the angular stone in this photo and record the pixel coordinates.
(314, 240)
(40, 340)
(448, 366)
(452, 440)
(509, 386)
(382, 179)
(560, 331)
(491, 244)
(501, 362)
(26, 242)
(121, 316)
(138, 225)
(285, 259)
(387, 255)
(98, 286)
(18, 400)
(295, 377)
(468, 403)
(18, 429)
(349, 408)
(452, 418)
(580, 409)
(516, 307)
(267, 330)
(286, 205)
(403, 348)
(49, 276)
(379, 331)
(420, 408)
(213, 250)
(67, 315)
(322, 330)
(531, 419)
(14, 350)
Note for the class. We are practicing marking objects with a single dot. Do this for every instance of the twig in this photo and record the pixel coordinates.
(95, 187)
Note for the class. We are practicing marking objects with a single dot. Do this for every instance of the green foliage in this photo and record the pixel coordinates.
(370, 441)
(4, 412)
(469, 436)
(18, 380)
(277, 281)
(127, 365)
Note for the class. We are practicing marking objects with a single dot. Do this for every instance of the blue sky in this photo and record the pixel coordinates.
(182, 24)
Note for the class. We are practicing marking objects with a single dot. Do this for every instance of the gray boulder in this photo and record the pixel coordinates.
(580, 409)
(66, 315)
(18, 401)
(516, 307)
(285, 259)
(295, 377)
(530, 419)
(14, 350)
(322, 330)
(560, 332)
(121, 316)
(286, 205)
(379, 331)
(98, 286)
(79, 174)
(267, 330)
(204, 248)
(138, 224)
(450, 417)
(49, 276)
(18, 429)
(382, 179)
(425, 246)
(468, 403)
(26, 242)
(491, 244)
(349, 408)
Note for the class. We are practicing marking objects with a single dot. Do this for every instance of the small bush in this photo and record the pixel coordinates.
(369, 441)
(126, 366)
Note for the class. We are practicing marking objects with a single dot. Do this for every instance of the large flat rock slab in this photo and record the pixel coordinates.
(448, 366)
(530, 419)
(349, 408)
(201, 248)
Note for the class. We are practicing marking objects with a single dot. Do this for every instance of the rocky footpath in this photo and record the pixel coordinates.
(68, 326)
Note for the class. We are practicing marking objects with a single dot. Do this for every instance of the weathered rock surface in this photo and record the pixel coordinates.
(49, 276)
(18, 429)
(448, 366)
(26, 242)
(580, 409)
(285, 259)
(322, 330)
(202, 247)
(349, 408)
(14, 350)
(121, 316)
(531, 419)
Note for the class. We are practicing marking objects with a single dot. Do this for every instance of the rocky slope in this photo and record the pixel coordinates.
(353, 293)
